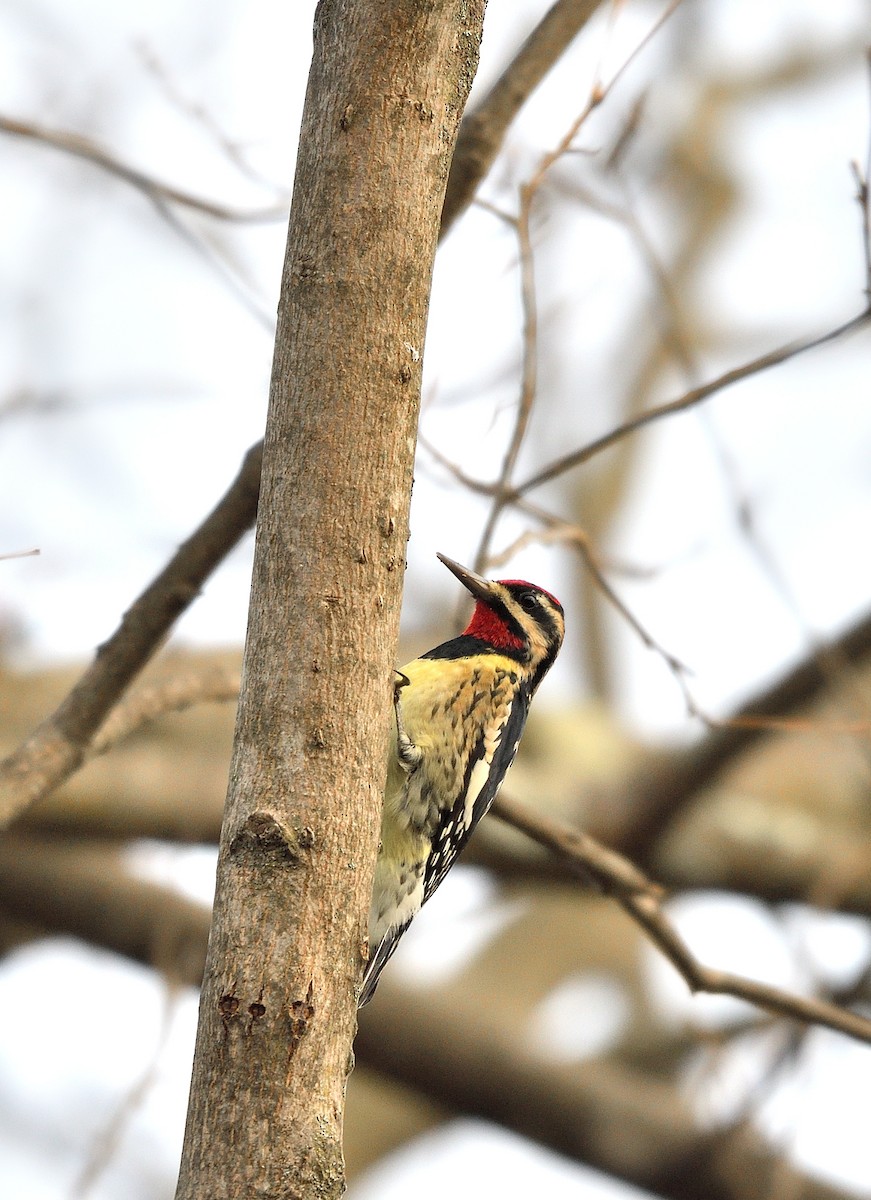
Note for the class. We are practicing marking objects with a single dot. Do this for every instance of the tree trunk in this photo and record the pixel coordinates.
(387, 86)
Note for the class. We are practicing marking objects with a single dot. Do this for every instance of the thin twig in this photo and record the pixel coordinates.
(562, 532)
(749, 722)
(555, 535)
(662, 794)
(228, 275)
(864, 201)
(528, 382)
(166, 199)
(484, 127)
(502, 492)
(198, 112)
(581, 541)
(598, 94)
(81, 147)
(107, 1142)
(688, 400)
(683, 352)
(642, 900)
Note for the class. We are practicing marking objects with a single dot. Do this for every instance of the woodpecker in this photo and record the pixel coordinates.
(459, 711)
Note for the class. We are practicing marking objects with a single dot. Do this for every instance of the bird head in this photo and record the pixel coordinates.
(513, 617)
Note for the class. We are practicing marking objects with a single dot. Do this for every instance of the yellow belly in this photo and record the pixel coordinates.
(448, 707)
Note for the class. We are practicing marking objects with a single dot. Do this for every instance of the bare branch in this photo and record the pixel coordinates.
(581, 541)
(598, 94)
(528, 382)
(501, 491)
(58, 746)
(76, 892)
(484, 128)
(642, 900)
(656, 799)
(688, 400)
(154, 189)
(196, 110)
(215, 685)
(220, 264)
(746, 869)
(651, 801)
(411, 1036)
(85, 888)
(435, 1041)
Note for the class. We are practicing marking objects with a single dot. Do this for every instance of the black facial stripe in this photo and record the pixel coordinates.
(544, 613)
(547, 620)
(467, 647)
(545, 600)
(514, 625)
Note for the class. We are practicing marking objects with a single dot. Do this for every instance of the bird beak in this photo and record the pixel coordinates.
(481, 588)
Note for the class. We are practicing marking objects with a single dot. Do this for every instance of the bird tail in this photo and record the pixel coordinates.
(378, 962)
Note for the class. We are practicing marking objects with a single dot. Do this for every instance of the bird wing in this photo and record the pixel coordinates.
(487, 766)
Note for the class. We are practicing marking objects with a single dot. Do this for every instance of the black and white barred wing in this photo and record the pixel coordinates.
(487, 766)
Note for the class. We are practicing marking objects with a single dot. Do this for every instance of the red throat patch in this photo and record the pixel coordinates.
(491, 628)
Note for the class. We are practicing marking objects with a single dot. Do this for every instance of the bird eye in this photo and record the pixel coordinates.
(528, 602)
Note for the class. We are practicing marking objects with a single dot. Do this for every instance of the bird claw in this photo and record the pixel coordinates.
(408, 754)
(400, 681)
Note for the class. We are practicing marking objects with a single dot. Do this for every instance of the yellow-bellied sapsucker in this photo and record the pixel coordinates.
(460, 711)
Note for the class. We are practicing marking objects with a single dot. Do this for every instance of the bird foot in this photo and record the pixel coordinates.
(409, 755)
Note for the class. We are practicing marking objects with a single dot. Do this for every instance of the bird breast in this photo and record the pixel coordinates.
(449, 711)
